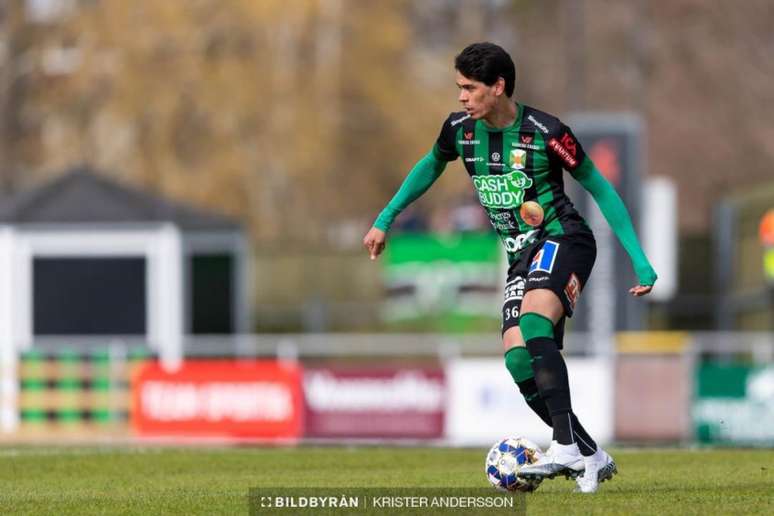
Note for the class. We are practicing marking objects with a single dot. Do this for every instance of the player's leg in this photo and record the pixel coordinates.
(559, 270)
(518, 362)
(517, 358)
(541, 311)
(552, 380)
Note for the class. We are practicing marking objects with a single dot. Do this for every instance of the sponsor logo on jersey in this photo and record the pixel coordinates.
(459, 120)
(468, 142)
(502, 191)
(544, 259)
(562, 152)
(502, 221)
(513, 245)
(515, 289)
(568, 142)
(518, 159)
(530, 146)
(495, 156)
(526, 138)
(572, 290)
(538, 124)
(468, 135)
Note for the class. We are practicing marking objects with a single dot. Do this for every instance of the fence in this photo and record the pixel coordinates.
(659, 387)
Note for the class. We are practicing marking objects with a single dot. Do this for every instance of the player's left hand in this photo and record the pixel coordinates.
(640, 290)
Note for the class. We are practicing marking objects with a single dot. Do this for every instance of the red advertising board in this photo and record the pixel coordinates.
(374, 402)
(218, 398)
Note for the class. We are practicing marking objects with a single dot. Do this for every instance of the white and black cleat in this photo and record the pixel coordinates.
(599, 467)
(559, 459)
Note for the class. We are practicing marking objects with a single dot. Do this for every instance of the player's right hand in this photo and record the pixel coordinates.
(374, 242)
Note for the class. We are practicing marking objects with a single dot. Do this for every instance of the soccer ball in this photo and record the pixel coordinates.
(504, 461)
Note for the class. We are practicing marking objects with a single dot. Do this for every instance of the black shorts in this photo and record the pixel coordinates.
(562, 264)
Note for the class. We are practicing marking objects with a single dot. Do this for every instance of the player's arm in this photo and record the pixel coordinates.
(612, 207)
(565, 148)
(419, 179)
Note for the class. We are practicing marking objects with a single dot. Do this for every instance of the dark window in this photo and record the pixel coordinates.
(212, 294)
(89, 296)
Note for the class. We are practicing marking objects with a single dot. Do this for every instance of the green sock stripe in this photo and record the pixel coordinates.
(518, 363)
(535, 325)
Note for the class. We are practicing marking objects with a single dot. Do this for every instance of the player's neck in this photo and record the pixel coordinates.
(503, 114)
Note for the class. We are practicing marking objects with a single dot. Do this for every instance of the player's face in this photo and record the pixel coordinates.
(477, 98)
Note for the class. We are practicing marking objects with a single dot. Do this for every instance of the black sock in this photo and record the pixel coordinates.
(531, 395)
(585, 442)
(553, 385)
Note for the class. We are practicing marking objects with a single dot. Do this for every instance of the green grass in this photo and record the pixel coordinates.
(216, 481)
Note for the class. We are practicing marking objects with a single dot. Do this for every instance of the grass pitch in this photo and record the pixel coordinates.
(216, 481)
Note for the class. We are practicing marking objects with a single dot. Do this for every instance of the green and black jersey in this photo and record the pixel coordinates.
(511, 165)
(516, 164)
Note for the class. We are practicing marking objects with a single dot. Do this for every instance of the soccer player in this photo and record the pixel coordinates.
(514, 155)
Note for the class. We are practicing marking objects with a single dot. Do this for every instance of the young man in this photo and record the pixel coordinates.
(514, 155)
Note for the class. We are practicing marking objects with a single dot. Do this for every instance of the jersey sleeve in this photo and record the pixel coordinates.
(565, 147)
(616, 214)
(445, 148)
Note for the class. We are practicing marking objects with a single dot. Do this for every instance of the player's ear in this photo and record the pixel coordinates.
(499, 86)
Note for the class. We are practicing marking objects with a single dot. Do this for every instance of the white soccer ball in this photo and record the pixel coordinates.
(506, 458)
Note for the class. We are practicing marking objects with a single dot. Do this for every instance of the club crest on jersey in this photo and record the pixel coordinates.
(502, 191)
(544, 259)
(518, 159)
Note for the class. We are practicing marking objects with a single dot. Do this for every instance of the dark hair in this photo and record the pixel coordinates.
(486, 62)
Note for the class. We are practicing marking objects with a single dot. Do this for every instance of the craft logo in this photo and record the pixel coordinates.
(518, 159)
(505, 191)
(572, 290)
(563, 153)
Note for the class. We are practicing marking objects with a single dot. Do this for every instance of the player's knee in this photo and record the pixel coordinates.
(534, 325)
(519, 363)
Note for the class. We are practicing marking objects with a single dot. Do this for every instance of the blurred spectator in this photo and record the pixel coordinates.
(469, 216)
(411, 219)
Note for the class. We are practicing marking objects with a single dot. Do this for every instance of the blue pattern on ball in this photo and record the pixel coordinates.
(521, 455)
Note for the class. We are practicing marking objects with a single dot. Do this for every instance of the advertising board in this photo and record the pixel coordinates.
(374, 401)
(218, 398)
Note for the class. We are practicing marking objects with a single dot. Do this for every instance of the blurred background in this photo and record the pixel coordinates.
(184, 187)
